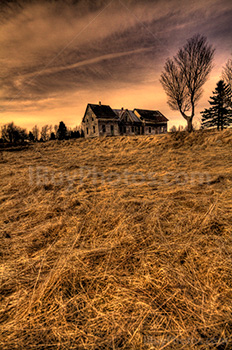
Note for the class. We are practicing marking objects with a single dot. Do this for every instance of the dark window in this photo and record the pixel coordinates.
(112, 129)
(103, 128)
(94, 129)
(87, 131)
(149, 129)
(132, 129)
(92, 119)
(87, 120)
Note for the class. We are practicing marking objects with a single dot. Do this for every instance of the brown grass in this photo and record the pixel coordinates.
(120, 264)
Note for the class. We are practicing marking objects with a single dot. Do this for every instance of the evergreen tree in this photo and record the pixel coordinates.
(220, 112)
(75, 134)
(31, 136)
(62, 131)
(52, 136)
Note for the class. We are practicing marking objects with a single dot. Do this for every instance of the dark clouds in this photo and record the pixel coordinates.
(53, 48)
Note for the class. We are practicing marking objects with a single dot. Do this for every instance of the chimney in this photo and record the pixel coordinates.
(99, 103)
(122, 109)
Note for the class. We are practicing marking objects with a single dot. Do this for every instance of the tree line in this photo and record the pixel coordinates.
(185, 74)
(10, 133)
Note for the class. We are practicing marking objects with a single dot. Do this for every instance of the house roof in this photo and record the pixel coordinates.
(103, 111)
(134, 117)
(120, 113)
(152, 116)
(137, 115)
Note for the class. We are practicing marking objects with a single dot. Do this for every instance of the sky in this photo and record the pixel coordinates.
(58, 56)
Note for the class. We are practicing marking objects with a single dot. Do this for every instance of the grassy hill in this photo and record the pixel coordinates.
(117, 243)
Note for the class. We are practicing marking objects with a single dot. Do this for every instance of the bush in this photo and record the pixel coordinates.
(13, 134)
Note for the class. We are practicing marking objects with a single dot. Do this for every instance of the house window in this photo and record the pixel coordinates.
(87, 120)
(94, 129)
(132, 129)
(103, 128)
(162, 129)
(149, 129)
(112, 129)
(87, 131)
(92, 119)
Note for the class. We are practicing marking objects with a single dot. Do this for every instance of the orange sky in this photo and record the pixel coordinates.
(58, 57)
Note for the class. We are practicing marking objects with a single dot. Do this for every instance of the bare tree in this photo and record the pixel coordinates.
(173, 129)
(12, 133)
(35, 132)
(45, 133)
(185, 74)
(227, 73)
(50, 130)
(56, 127)
(180, 128)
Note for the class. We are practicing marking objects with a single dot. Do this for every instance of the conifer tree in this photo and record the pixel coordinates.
(62, 131)
(220, 113)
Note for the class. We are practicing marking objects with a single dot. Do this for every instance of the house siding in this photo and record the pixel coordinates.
(108, 128)
(90, 123)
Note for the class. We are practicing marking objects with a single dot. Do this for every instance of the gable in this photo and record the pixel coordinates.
(88, 113)
(125, 117)
(129, 117)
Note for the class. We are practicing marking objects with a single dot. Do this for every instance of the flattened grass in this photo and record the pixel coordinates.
(125, 242)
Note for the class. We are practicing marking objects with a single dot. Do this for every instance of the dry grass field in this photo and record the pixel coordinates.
(117, 243)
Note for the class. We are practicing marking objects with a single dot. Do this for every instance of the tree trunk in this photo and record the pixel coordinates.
(188, 118)
(190, 125)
